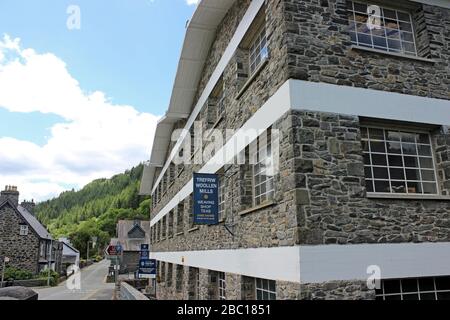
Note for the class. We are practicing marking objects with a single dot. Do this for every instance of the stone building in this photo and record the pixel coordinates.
(23, 239)
(131, 234)
(356, 97)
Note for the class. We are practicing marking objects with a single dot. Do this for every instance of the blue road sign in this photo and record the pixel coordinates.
(119, 248)
(206, 199)
(147, 268)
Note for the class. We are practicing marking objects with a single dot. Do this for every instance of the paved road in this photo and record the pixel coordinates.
(93, 286)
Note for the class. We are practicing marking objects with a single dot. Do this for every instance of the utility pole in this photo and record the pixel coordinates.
(5, 260)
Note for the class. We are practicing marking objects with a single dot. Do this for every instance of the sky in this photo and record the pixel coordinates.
(82, 86)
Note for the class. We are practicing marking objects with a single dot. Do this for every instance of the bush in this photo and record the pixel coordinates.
(54, 277)
(12, 273)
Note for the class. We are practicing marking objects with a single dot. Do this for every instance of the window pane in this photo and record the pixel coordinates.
(424, 150)
(380, 173)
(379, 159)
(378, 147)
(428, 175)
(368, 172)
(409, 148)
(394, 147)
(397, 174)
(428, 296)
(376, 134)
(382, 186)
(411, 296)
(443, 296)
(426, 163)
(414, 187)
(398, 186)
(395, 161)
(360, 7)
(411, 162)
(443, 283)
(396, 297)
(391, 286)
(429, 188)
(412, 174)
(369, 185)
(366, 158)
(426, 284)
(409, 285)
(393, 135)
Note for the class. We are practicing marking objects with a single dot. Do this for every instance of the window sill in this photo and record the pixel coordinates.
(399, 55)
(257, 208)
(251, 79)
(179, 234)
(193, 229)
(407, 197)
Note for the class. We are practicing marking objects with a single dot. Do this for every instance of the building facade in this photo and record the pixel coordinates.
(131, 234)
(350, 100)
(23, 239)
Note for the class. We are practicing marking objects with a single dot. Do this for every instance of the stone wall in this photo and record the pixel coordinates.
(337, 290)
(333, 204)
(22, 250)
(319, 50)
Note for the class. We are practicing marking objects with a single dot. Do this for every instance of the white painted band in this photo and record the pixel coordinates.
(317, 264)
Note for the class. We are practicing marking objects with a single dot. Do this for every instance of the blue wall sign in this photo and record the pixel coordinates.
(206, 199)
(147, 268)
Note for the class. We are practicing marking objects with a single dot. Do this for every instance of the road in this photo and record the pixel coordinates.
(93, 286)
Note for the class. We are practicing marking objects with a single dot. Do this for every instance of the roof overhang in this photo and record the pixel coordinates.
(200, 35)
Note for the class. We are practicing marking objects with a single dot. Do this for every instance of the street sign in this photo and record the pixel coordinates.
(119, 248)
(112, 250)
(147, 268)
(206, 199)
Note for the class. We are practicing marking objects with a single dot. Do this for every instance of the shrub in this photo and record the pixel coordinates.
(54, 277)
(12, 273)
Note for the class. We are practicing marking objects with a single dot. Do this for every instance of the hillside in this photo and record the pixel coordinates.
(95, 209)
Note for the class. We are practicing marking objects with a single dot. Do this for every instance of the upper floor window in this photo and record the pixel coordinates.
(258, 51)
(398, 162)
(23, 230)
(265, 289)
(381, 28)
(262, 158)
(222, 286)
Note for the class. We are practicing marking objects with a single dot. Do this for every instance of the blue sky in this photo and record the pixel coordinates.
(64, 89)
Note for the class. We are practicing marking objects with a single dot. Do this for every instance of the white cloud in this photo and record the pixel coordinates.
(192, 2)
(98, 139)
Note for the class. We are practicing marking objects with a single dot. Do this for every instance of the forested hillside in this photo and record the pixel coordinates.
(95, 210)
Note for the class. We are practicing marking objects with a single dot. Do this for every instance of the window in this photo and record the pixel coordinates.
(263, 184)
(265, 289)
(222, 198)
(170, 232)
(179, 280)
(194, 283)
(23, 230)
(222, 286)
(159, 231)
(163, 271)
(399, 162)
(433, 288)
(180, 217)
(395, 33)
(258, 51)
(169, 274)
(164, 228)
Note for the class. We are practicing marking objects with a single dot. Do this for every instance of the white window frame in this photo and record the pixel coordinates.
(263, 286)
(388, 167)
(381, 295)
(262, 153)
(23, 230)
(221, 279)
(258, 51)
(385, 36)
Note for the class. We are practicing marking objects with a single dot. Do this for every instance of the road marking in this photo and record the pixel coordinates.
(89, 296)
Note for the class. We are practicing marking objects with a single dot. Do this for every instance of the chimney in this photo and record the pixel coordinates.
(10, 193)
(29, 206)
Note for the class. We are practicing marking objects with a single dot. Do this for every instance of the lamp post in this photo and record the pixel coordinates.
(5, 261)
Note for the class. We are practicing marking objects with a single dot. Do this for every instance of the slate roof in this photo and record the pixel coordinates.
(34, 223)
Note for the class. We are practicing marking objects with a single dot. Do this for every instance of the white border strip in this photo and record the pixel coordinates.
(241, 30)
(322, 263)
(325, 97)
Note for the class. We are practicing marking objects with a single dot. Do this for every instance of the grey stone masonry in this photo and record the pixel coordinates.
(23, 251)
(320, 194)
